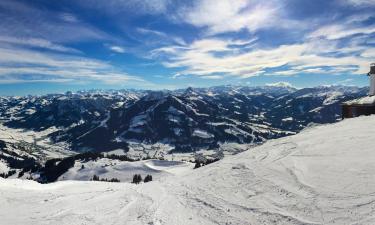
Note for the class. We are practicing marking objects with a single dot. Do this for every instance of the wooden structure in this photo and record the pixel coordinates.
(363, 106)
(355, 110)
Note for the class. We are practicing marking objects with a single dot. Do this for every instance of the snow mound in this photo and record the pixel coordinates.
(324, 175)
(367, 100)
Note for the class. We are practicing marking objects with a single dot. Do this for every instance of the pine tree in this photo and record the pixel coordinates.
(148, 178)
(95, 178)
(137, 178)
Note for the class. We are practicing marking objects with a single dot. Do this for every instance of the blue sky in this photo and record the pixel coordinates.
(54, 46)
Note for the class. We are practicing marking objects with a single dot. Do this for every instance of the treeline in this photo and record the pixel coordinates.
(137, 178)
(6, 175)
(86, 156)
(97, 178)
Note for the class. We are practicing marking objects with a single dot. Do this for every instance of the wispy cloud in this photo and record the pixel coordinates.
(150, 31)
(22, 20)
(359, 3)
(37, 43)
(345, 28)
(117, 49)
(116, 7)
(18, 64)
(220, 57)
(68, 17)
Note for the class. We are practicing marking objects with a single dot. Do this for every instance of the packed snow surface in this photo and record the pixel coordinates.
(324, 175)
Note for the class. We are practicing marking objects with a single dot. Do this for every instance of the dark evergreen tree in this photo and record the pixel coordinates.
(95, 178)
(148, 178)
(137, 178)
(2, 144)
(114, 180)
(20, 174)
(54, 168)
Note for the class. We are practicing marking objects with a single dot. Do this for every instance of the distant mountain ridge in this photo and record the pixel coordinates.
(188, 119)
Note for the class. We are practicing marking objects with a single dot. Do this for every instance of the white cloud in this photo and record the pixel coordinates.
(37, 43)
(68, 17)
(333, 32)
(231, 15)
(359, 3)
(117, 49)
(369, 53)
(26, 65)
(218, 57)
(22, 20)
(150, 31)
(160, 36)
(351, 26)
(152, 7)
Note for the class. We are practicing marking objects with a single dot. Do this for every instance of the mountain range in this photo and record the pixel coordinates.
(186, 120)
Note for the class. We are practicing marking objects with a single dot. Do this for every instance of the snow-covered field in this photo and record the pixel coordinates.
(42, 147)
(324, 175)
(124, 171)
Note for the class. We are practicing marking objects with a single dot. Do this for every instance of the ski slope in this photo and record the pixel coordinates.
(324, 175)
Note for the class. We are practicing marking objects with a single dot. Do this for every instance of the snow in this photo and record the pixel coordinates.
(138, 150)
(324, 175)
(117, 152)
(368, 100)
(177, 131)
(103, 123)
(202, 134)
(174, 119)
(236, 131)
(332, 98)
(138, 121)
(3, 167)
(175, 111)
(124, 171)
(288, 119)
(44, 145)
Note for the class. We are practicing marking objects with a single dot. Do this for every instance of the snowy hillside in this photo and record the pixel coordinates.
(324, 175)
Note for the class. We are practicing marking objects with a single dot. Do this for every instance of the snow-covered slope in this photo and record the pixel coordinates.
(324, 175)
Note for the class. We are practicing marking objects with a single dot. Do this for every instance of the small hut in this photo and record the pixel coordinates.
(362, 106)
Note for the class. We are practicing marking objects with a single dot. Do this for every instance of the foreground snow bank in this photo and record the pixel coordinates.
(324, 175)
